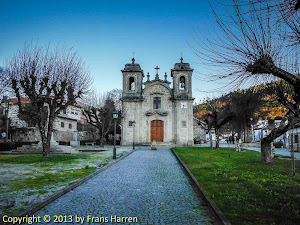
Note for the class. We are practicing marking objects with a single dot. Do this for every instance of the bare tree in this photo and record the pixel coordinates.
(257, 43)
(246, 104)
(116, 95)
(218, 113)
(51, 79)
(98, 111)
(5, 89)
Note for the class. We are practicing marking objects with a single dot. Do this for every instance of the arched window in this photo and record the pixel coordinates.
(182, 83)
(131, 84)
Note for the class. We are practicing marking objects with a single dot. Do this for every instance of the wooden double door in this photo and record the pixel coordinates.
(157, 130)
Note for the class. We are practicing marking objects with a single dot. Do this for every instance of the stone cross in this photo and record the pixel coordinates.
(156, 76)
(157, 68)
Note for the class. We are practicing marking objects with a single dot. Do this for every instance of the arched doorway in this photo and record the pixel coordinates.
(157, 130)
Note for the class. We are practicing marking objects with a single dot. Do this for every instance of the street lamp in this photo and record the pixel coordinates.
(133, 123)
(115, 116)
(6, 105)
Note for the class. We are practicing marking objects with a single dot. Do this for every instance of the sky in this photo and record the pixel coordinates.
(107, 33)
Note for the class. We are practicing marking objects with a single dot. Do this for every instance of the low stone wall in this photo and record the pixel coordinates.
(199, 132)
(28, 135)
(86, 135)
(252, 144)
(33, 135)
(65, 136)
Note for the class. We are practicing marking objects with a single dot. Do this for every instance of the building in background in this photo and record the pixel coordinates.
(64, 128)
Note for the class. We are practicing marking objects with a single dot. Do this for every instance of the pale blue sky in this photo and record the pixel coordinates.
(106, 33)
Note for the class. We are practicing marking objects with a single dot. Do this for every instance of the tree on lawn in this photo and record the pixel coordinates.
(258, 43)
(99, 113)
(218, 113)
(246, 104)
(51, 79)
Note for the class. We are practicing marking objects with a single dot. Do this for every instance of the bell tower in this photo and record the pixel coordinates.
(132, 80)
(183, 103)
(182, 80)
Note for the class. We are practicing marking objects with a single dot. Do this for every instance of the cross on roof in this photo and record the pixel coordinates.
(156, 69)
(156, 76)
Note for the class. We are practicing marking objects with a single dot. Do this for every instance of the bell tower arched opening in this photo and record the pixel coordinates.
(131, 86)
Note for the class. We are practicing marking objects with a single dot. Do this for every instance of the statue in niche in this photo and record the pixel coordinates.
(132, 86)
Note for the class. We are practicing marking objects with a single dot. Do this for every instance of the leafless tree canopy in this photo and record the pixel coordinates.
(51, 79)
(257, 42)
(49, 73)
(5, 89)
(98, 111)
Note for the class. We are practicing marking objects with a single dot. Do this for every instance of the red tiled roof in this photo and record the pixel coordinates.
(14, 101)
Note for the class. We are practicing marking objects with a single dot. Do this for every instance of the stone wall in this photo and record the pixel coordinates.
(88, 136)
(199, 130)
(184, 122)
(65, 124)
(26, 135)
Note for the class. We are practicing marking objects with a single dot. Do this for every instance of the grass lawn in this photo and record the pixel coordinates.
(28, 179)
(247, 191)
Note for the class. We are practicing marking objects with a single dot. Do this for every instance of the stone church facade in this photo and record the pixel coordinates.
(153, 111)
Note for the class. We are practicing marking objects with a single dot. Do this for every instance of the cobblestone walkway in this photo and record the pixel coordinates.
(149, 185)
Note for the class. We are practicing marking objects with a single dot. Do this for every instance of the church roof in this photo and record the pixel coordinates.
(132, 67)
(181, 67)
(155, 80)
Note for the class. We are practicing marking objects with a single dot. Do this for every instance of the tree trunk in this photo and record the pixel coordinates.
(49, 132)
(46, 148)
(46, 139)
(266, 155)
(102, 141)
(217, 138)
(43, 139)
(45, 144)
(210, 140)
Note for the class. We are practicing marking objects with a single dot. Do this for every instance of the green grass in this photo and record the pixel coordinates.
(33, 175)
(247, 191)
(52, 178)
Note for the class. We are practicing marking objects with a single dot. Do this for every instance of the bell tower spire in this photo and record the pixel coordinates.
(182, 80)
(132, 80)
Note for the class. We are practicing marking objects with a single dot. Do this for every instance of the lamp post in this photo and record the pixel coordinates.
(115, 116)
(6, 104)
(133, 123)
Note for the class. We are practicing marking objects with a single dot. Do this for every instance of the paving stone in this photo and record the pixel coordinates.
(149, 185)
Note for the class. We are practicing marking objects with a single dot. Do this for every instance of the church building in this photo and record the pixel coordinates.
(154, 111)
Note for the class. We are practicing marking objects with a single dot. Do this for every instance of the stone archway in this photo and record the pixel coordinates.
(157, 130)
